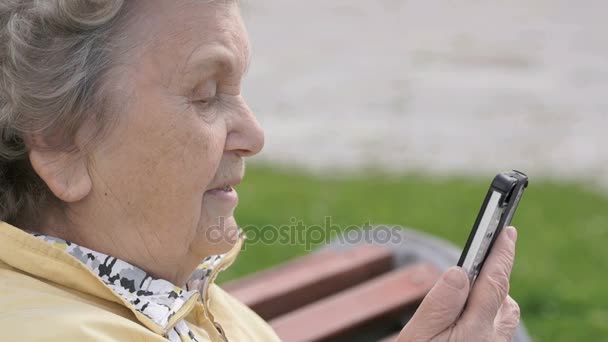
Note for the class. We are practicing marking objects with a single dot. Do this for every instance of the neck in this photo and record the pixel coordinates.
(126, 243)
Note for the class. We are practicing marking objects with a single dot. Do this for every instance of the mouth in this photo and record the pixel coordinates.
(224, 194)
(226, 186)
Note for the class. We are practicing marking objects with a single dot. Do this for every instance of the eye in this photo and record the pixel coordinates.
(205, 102)
(205, 95)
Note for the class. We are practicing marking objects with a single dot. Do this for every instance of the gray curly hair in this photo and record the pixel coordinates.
(55, 60)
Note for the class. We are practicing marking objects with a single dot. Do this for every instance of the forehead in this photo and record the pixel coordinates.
(195, 34)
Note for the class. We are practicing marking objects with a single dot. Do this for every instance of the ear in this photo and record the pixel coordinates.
(66, 174)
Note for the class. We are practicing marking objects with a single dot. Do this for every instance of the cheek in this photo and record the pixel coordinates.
(162, 159)
(202, 154)
(191, 146)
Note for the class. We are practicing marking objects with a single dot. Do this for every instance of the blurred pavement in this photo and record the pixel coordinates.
(440, 86)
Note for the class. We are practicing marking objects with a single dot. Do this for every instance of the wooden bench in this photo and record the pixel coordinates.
(337, 294)
(364, 292)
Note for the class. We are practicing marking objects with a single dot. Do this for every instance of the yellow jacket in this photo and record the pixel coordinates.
(47, 294)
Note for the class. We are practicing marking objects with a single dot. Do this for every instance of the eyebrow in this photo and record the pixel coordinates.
(207, 60)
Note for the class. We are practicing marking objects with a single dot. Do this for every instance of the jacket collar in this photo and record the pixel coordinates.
(157, 303)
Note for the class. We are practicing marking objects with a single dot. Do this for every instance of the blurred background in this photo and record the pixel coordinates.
(402, 111)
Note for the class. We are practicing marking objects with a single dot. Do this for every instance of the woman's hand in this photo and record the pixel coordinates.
(491, 314)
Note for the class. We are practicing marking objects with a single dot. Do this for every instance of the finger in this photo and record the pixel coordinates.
(440, 308)
(492, 284)
(507, 320)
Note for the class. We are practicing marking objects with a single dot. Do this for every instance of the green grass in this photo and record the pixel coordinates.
(562, 253)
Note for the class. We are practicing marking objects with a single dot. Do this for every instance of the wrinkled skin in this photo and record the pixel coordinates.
(148, 193)
(490, 315)
(142, 194)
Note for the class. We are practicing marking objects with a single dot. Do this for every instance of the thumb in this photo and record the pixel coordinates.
(440, 308)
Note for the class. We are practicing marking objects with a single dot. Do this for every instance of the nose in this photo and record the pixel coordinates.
(246, 136)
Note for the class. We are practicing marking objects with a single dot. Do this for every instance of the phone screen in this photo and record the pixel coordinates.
(483, 236)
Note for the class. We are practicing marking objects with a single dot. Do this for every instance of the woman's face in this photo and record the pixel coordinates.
(163, 177)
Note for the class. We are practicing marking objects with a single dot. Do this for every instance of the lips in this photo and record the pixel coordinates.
(226, 186)
(227, 189)
(222, 197)
(223, 188)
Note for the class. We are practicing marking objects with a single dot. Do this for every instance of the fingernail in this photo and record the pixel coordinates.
(455, 277)
(512, 233)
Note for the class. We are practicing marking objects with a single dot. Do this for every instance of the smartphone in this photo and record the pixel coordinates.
(496, 213)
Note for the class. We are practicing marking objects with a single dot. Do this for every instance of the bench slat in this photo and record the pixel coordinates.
(383, 296)
(306, 279)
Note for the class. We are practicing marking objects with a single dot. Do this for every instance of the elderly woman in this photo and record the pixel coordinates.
(123, 133)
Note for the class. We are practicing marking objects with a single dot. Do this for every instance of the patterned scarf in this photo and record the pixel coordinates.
(157, 299)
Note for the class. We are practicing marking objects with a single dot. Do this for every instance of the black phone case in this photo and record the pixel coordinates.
(510, 185)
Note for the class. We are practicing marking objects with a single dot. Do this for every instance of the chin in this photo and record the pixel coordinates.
(218, 238)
